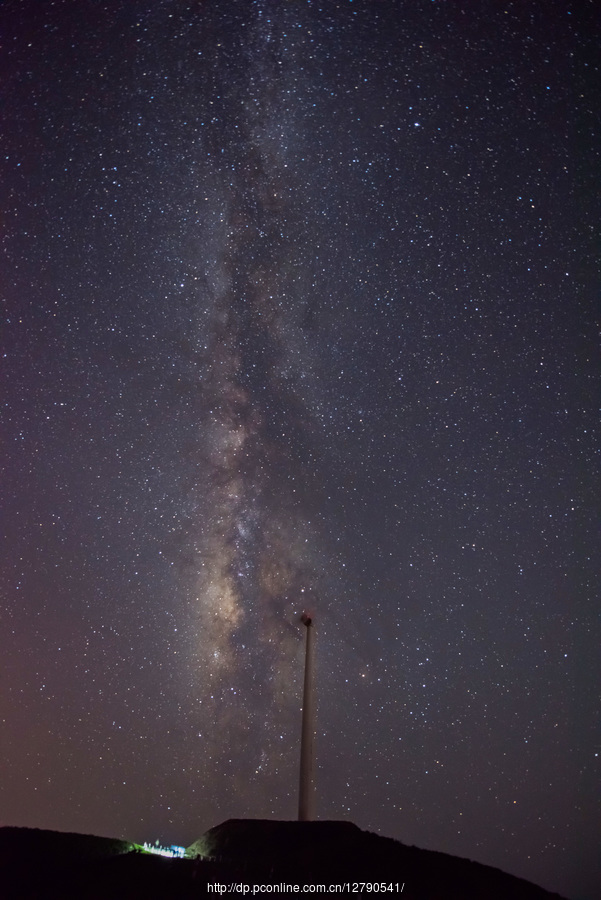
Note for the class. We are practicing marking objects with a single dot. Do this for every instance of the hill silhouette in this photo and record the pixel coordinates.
(47, 865)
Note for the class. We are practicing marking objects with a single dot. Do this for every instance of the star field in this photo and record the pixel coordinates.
(300, 312)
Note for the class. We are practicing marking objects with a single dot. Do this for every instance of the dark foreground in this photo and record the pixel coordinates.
(248, 858)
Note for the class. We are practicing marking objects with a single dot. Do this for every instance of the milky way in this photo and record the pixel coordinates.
(258, 556)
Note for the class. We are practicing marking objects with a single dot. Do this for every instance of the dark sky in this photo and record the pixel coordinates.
(299, 306)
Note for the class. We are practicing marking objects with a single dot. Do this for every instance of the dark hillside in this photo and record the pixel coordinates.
(337, 852)
(46, 865)
(23, 845)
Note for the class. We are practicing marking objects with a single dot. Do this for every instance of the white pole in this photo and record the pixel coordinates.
(305, 796)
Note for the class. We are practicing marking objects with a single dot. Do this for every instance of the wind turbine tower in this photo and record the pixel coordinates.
(305, 795)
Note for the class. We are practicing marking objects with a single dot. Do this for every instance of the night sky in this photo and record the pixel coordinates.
(299, 313)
